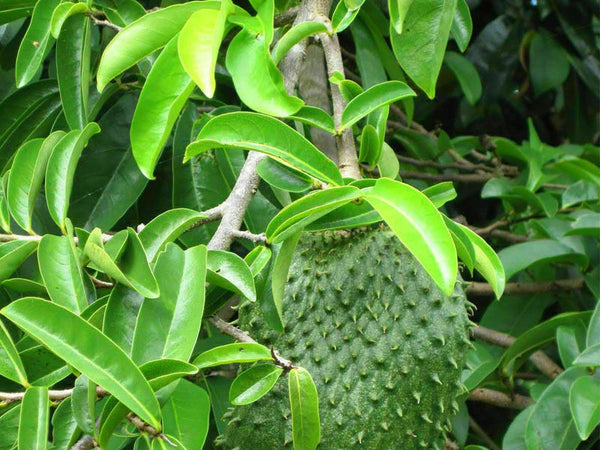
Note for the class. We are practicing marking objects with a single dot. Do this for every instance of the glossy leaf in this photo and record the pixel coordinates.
(316, 117)
(250, 131)
(62, 274)
(181, 277)
(62, 12)
(370, 150)
(164, 94)
(13, 254)
(258, 258)
(294, 217)
(121, 314)
(166, 228)
(256, 78)
(61, 170)
(551, 424)
(548, 64)
(233, 354)
(198, 45)
(83, 403)
(64, 427)
(398, 10)
(11, 366)
(229, 271)
(187, 415)
(35, 43)
(4, 212)
(373, 98)
(419, 226)
(420, 52)
(88, 350)
(587, 224)
(283, 177)
(73, 69)
(294, 35)
(584, 399)
(589, 357)
(440, 193)
(131, 268)
(388, 163)
(466, 74)
(9, 423)
(571, 342)
(33, 426)
(343, 17)
(462, 25)
(350, 215)
(593, 333)
(144, 36)
(304, 403)
(254, 383)
(26, 177)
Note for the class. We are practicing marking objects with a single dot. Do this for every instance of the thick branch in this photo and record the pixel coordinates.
(495, 398)
(571, 284)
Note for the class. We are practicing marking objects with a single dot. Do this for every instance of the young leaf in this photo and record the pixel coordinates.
(143, 37)
(419, 226)
(243, 352)
(26, 177)
(62, 274)
(73, 69)
(258, 258)
(373, 98)
(584, 398)
(88, 350)
(398, 10)
(61, 171)
(166, 228)
(464, 247)
(181, 278)
(164, 94)
(13, 254)
(370, 148)
(251, 131)
(131, 267)
(441, 193)
(62, 12)
(342, 17)
(198, 45)
(35, 43)
(11, 366)
(229, 271)
(257, 80)
(296, 34)
(254, 383)
(33, 426)
(304, 403)
(466, 74)
(420, 52)
(294, 217)
(462, 25)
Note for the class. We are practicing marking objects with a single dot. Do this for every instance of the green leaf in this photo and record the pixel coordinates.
(466, 74)
(187, 415)
(62, 273)
(83, 403)
(480, 363)
(258, 258)
(593, 333)
(589, 357)
(440, 193)
(519, 257)
(229, 271)
(283, 177)
(296, 34)
(370, 150)
(373, 98)
(419, 226)
(64, 427)
(272, 301)
(304, 403)
(256, 78)
(342, 17)
(163, 96)
(13, 254)
(26, 177)
(165, 228)
(11, 366)
(420, 48)
(548, 63)
(253, 383)
(198, 45)
(315, 117)
(487, 262)
(570, 341)
(389, 165)
(35, 43)
(73, 68)
(131, 267)
(541, 334)
(181, 276)
(250, 131)
(143, 37)
(4, 212)
(579, 169)
(398, 10)
(243, 352)
(62, 12)
(462, 25)
(88, 350)
(464, 247)
(587, 224)
(294, 217)
(121, 314)
(551, 424)
(33, 426)
(61, 171)
(584, 398)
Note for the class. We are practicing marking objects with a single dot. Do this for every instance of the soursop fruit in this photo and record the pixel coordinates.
(384, 346)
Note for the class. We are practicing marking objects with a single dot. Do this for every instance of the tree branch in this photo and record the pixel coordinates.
(55, 395)
(571, 284)
(496, 398)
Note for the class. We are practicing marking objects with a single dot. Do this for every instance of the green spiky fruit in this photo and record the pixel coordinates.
(383, 344)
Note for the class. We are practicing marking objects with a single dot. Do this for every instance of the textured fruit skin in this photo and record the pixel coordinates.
(383, 344)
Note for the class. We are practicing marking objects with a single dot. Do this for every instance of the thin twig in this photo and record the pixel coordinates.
(496, 398)
(104, 22)
(87, 442)
(55, 395)
(485, 289)
(256, 238)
